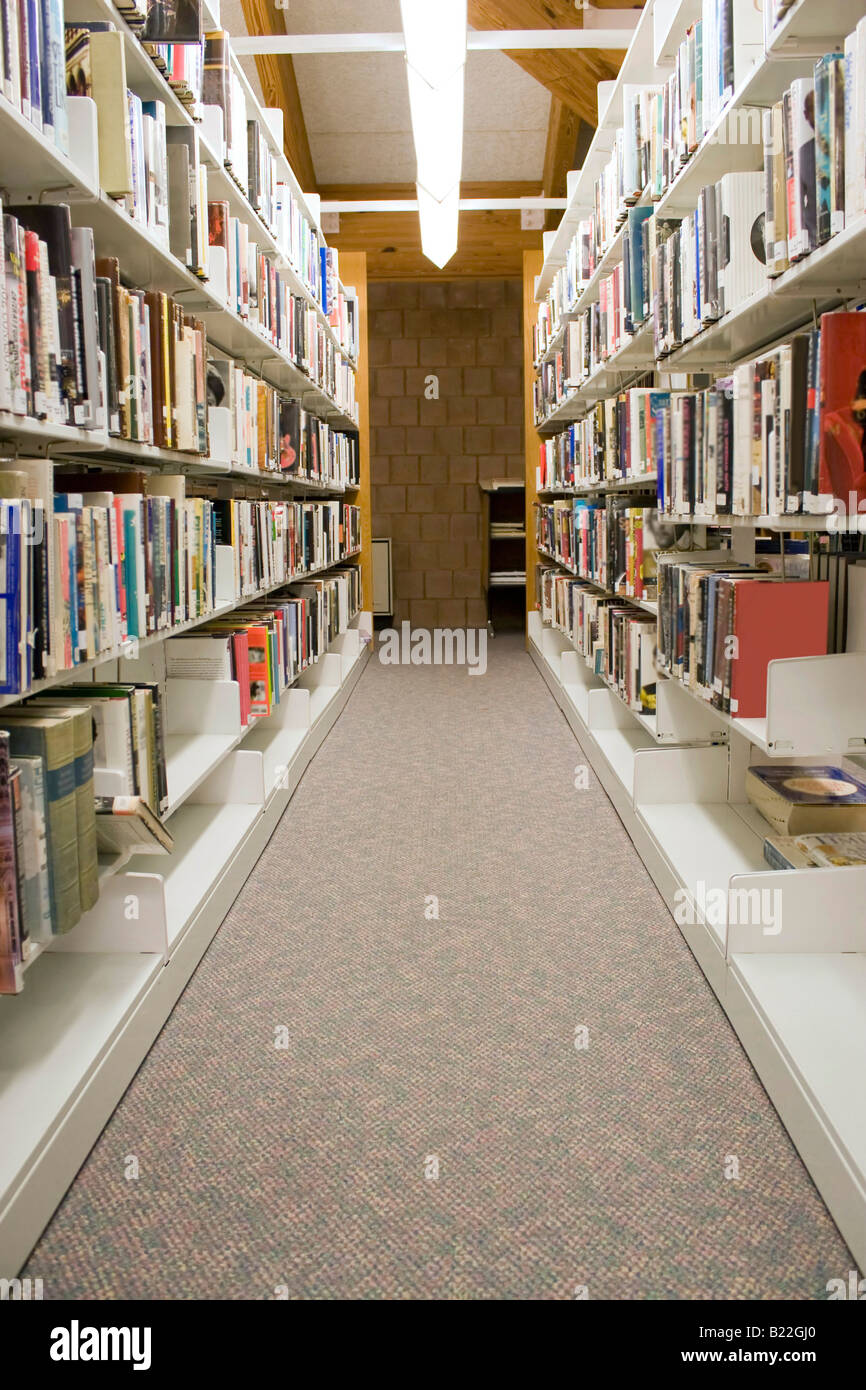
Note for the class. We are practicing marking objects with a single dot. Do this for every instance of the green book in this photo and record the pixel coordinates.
(52, 740)
(82, 733)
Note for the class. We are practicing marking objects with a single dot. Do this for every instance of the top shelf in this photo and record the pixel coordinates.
(734, 142)
(639, 67)
(145, 79)
(814, 26)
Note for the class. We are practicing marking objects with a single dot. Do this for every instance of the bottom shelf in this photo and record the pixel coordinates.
(704, 842)
(799, 1013)
(71, 1042)
(53, 1039)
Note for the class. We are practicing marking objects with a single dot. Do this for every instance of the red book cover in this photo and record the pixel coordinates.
(259, 682)
(218, 225)
(773, 619)
(241, 657)
(842, 458)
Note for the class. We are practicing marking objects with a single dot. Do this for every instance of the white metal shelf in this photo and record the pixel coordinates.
(633, 357)
(147, 81)
(152, 638)
(812, 27)
(638, 66)
(646, 604)
(638, 483)
(28, 156)
(796, 1008)
(70, 1043)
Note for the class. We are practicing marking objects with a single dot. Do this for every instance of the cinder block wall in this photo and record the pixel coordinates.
(429, 454)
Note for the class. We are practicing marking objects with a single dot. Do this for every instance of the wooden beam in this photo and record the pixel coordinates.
(532, 263)
(480, 188)
(562, 134)
(489, 244)
(353, 272)
(570, 76)
(280, 88)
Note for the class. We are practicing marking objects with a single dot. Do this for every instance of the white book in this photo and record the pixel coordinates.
(741, 267)
(205, 658)
(748, 37)
(855, 122)
(741, 473)
(112, 737)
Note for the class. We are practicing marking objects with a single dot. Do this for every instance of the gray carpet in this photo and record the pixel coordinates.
(412, 1039)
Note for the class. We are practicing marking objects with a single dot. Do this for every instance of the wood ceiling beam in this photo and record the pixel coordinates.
(489, 244)
(562, 133)
(489, 188)
(280, 88)
(570, 76)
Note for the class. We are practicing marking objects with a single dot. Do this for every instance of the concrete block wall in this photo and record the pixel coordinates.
(434, 441)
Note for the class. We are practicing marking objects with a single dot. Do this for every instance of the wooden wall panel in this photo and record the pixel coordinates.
(353, 272)
(532, 262)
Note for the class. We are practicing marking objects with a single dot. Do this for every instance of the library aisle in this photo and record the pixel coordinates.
(339, 1045)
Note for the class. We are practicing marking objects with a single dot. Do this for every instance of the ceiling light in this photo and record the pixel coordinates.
(438, 218)
(437, 127)
(435, 35)
(435, 38)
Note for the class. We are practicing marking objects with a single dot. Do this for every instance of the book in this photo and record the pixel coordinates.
(37, 880)
(82, 732)
(126, 824)
(173, 21)
(785, 852)
(842, 391)
(12, 931)
(807, 800)
(803, 147)
(96, 67)
(834, 851)
(32, 734)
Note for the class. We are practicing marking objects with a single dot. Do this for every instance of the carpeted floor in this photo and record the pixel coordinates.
(414, 1041)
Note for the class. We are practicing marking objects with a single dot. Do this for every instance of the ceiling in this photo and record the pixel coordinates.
(527, 116)
(356, 107)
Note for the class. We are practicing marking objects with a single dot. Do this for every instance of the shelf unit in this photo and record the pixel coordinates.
(95, 999)
(796, 997)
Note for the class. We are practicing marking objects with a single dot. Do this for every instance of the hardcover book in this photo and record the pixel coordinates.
(807, 800)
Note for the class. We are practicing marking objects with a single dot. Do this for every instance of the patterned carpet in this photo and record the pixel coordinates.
(301, 1169)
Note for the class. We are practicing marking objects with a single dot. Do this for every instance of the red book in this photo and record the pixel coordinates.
(842, 458)
(241, 656)
(259, 682)
(772, 619)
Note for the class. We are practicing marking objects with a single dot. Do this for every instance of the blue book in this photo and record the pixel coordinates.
(636, 219)
(54, 119)
(34, 43)
(10, 599)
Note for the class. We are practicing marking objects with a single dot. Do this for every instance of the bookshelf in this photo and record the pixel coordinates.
(94, 999)
(676, 773)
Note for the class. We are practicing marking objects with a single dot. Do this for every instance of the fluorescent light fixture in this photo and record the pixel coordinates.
(438, 218)
(437, 127)
(435, 35)
(435, 38)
